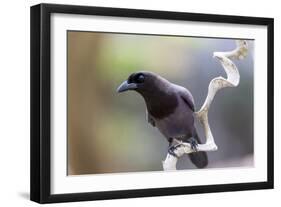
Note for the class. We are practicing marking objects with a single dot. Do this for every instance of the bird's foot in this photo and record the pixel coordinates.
(193, 142)
(172, 149)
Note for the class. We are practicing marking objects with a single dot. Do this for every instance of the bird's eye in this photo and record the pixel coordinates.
(140, 78)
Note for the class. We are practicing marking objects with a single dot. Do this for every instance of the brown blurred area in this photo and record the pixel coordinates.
(107, 132)
(82, 96)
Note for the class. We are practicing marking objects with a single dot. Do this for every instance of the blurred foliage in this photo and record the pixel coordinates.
(107, 132)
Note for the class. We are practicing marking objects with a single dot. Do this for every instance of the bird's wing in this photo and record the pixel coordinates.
(187, 97)
(149, 118)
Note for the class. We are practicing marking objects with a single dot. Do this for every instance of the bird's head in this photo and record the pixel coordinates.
(141, 82)
(157, 92)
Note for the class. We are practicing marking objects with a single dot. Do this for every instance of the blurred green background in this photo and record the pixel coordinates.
(107, 132)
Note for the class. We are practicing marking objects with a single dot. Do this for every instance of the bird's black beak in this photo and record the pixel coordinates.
(125, 86)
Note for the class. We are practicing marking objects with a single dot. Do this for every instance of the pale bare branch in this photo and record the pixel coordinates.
(216, 84)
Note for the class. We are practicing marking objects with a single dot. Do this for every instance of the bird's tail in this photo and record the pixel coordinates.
(199, 159)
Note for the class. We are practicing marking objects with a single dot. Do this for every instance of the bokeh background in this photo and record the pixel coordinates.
(107, 131)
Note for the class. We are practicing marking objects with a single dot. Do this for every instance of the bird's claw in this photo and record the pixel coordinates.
(172, 149)
(194, 144)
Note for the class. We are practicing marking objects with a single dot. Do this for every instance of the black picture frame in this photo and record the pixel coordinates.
(41, 98)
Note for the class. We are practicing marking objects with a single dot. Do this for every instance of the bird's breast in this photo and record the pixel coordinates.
(178, 123)
(161, 106)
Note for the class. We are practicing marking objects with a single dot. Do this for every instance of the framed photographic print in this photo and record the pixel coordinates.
(132, 103)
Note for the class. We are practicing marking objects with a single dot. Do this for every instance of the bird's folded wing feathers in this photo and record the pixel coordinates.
(187, 97)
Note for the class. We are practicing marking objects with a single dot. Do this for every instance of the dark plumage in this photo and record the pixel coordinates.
(170, 108)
